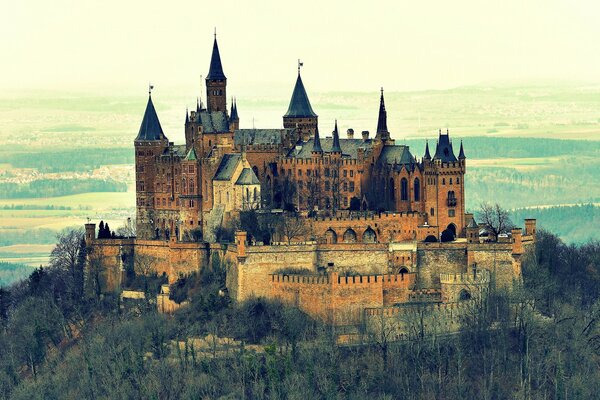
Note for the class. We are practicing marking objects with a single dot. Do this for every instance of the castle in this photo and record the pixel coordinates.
(384, 228)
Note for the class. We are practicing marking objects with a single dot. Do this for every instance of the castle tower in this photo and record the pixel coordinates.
(444, 186)
(149, 143)
(382, 131)
(472, 231)
(300, 114)
(216, 83)
(234, 119)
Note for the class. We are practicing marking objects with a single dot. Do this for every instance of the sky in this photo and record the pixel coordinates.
(121, 45)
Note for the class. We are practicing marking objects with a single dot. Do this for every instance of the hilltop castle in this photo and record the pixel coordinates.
(222, 169)
(386, 229)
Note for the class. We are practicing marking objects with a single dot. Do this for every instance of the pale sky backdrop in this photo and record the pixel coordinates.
(119, 45)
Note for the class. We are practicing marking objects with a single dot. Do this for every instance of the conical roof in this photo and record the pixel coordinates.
(472, 224)
(461, 153)
(336, 148)
(382, 129)
(443, 150)
(191, 155)
(317, 145)
(216, 69)
(299, 104)
(150, 128)
(427, 156)
(234, 112)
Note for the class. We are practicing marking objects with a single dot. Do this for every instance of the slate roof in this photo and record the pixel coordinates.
(317, 142)
(299, 104)
(227, 167)
(260, 136)
(191, 155)
(335, 146)
(427, 156)
(213, 122)
(472, 224)
(216, 69)
(461, 153)
(443, 150)
(382, 119)
(399, 154)
(247, 177)
(150, 128)
(176, 150)
(349, 147)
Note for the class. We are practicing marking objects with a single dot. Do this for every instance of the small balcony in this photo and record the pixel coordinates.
(451, 202)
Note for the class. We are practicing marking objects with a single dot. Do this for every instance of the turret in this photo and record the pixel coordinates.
(300, 114)
(234, 119)
(216, 82)
(472, 231)
(530, 227)
(382, 130)
(317, 149)
(427, 155)
(336, 148)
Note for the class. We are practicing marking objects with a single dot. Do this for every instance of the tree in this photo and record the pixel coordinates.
(495, 219)
(144, 266)
(291, 227)
(68, 256)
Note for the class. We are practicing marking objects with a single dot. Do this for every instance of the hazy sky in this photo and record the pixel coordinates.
(120, 45)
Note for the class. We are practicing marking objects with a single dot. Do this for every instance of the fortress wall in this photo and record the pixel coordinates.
(434, 259)
(260, 261)
(111, 255)
(310, 293)
(500, 262)
(360, 258)
(397, 287)
(388, 226)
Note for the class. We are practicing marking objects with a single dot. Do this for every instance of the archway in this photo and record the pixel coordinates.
(452, 228)
(349, 236)
(403, 270)
(447, 236)
(369, 236)
(464, 295)
(430, 239)
(330, 236)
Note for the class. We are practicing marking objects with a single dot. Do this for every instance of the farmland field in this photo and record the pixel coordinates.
(88, 136)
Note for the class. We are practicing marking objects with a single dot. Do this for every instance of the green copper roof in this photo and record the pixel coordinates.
(216, 69)
(191, 155)
(299, 104)
(150, 128)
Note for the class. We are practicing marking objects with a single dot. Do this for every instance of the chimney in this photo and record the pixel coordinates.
(365, 135)
(350, 133)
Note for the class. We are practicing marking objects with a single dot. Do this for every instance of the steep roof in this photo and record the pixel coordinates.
(472, 224)
(349, 147)
(213, 122)
(443, 150)
(216, 69)
(461, 153)
(317, 142)
(335, 147)
(150, 128)
(382, 129)
(260, 136)
(427, 156)
(191, 155)
(227, 167)
(299, 104)
(234, 112)
(396, 154)
(247, 177)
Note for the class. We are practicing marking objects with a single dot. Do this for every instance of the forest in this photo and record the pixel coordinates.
(60, 338)
(58, 187)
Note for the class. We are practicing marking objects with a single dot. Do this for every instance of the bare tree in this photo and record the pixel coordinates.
(291, 227)
(68, 256)
(495, 219)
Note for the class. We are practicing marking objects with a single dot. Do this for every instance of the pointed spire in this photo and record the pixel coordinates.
(317, 142)
(427, 155)
(216, 69)
(299, 104)
(198, 107)
(336, 148)
(443, 149)
(382, 131)
(150, 128)
(187, 116)
(234, 112)
(461, 153)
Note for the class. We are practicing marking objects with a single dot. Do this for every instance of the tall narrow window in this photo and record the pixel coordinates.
(404, 189)
(417, 187)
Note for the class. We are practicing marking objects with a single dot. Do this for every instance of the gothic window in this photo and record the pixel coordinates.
(417, 188)
(404, 189)
(255, 194)
(352, 186)
(443, 181)
(369, 236)
(392, 190)
(191, 187)
(451, 181)
(349, 236)
(248, 194)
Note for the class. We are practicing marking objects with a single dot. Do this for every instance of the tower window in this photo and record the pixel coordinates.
(404, 189)
(432, 212)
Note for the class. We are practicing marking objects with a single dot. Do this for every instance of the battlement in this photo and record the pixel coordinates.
(388, 280)
(296, 278)
(467, 278)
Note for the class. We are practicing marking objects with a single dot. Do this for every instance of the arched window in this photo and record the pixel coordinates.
(184, 185)
(464, 295)
(404, 189)
(248, 194)
(191, 187)
(255, 194)
(369, 236)
(392, 189)
(330, 236)
(349, 236)
(417, 189)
